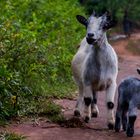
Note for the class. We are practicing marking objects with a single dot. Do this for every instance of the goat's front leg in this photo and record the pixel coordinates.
(94, 107)
(87, 102)
(79, 104)
(110, 94)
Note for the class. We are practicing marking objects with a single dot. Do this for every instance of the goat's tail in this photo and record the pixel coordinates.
(138, 70)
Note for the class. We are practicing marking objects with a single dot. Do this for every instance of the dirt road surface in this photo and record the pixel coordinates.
(97, 128)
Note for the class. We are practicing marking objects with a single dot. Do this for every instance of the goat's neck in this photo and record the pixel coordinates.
(103, 41)
(102, 44)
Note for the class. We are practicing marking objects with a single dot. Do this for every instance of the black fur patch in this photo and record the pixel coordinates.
(76, 113)
(87, 101)
(132, 120)
(130, 126)
(117, 123)
(110, 126)
(110, 105)
(94, 115)
(124, 120)
(82, 20)
(95, 101)
(125, 105)
(86, 119)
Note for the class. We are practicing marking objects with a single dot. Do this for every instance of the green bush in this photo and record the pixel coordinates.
(11, 136)
(38, 39)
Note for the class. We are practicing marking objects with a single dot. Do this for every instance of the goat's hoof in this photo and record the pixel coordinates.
(94, 115)
(87, 119)
(110, 126)
(76, 113)
(130, 132)
(124, 128)
(117, 129)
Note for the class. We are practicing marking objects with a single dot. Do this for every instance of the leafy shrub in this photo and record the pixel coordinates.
(37, 42)
(11, 136)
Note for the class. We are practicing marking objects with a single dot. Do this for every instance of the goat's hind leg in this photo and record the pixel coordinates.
(94, 107)
(132, 115)
(121, 116)
(79, 104)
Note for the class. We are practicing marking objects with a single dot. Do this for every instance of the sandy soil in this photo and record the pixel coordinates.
(96, 129)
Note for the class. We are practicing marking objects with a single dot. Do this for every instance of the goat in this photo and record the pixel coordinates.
(95, 67)
(128, 102)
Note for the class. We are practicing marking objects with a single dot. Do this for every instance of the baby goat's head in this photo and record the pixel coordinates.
(96, 26)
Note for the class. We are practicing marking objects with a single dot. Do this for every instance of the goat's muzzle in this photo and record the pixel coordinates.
(91, 40)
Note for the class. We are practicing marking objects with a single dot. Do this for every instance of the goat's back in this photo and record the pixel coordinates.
(128, 89)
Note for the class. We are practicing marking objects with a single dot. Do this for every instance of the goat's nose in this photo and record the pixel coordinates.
(90, 35)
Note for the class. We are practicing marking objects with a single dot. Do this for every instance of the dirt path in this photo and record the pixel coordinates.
(96, 129)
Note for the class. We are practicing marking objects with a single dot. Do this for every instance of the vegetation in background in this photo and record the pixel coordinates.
(116, 7)
(11, 136)
(38, 39)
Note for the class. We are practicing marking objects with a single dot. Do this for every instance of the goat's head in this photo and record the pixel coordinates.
(96, 26)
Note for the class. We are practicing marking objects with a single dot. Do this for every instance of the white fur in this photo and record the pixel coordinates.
(108, 66)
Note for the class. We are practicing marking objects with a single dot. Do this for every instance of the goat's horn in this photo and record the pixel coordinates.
(93, 13)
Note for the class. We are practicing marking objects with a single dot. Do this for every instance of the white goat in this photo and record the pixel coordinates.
(95, 68)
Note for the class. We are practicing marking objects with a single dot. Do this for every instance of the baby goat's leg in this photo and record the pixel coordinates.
(94, 107)
(118, 118)
(124, 116)
(110, 94)
(79, 103)
(87, 101)
(121, 116)
(132, 115)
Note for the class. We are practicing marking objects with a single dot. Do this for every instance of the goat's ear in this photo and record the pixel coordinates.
(138, 70)
(82, 20)
(109, 22)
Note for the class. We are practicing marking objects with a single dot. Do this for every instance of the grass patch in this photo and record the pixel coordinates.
(62, 90)
(52, 111)
(11, 136)
(134, 47)
(44, 107)
(3, 122)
